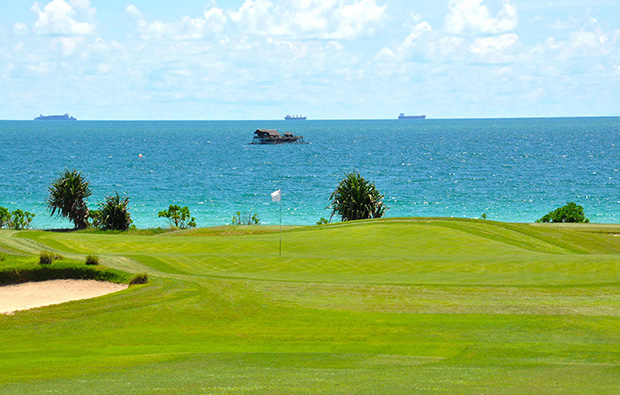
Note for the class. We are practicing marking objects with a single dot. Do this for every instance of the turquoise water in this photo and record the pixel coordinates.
(511, 169)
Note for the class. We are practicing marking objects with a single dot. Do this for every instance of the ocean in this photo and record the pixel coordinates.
(513, 170)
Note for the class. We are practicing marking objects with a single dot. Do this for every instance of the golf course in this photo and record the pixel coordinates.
(394, 306)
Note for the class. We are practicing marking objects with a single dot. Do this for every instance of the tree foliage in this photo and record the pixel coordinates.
(5, 217)
(68, 195)
(18, 219)
(571, 212)
(113, 214)
(178, 217)
(21, 219)
(356, 198)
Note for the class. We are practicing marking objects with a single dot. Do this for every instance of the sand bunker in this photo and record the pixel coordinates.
(38, 294)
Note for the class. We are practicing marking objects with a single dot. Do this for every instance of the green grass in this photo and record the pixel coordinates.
(387, 306)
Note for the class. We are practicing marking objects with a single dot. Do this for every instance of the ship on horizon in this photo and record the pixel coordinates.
(294, 118)
(403, 116)
(64, 117)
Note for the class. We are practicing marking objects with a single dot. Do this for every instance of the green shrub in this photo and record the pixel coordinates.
(178, 217)
(92, 260)
(18, 219)
(21, 219)
(356, 198)
(113, 214)
(46, 258)
(322, 221)
(245, 219)
(571, 212)
(140, 278)
(2, 257)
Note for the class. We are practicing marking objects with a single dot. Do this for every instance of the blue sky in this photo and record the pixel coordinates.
(329, 59)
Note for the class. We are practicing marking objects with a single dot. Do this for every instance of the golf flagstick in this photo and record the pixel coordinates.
(277, 197)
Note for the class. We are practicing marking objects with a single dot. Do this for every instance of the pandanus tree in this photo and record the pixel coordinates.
(113, 214)
(68, 195)
(356, 198)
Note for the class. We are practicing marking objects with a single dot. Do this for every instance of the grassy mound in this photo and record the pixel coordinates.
(387, 306)
(60, 271)
(16, 269)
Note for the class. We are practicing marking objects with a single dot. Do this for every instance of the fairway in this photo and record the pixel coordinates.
(404, 305)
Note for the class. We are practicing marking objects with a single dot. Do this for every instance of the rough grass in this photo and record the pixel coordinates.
(389, 306)
(15, 269)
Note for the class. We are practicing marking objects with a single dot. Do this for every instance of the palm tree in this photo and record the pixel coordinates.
(356, 198)
(67, 198)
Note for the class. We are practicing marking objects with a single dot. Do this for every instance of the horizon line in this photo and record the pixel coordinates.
(323, 119)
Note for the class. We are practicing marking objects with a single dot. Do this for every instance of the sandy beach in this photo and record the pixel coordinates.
(44, 293)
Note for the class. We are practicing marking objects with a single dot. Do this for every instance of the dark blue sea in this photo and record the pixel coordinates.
(511, 169)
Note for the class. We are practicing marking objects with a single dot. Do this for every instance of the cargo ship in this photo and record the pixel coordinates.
(403, 116)
(294, 118)
(64, 117)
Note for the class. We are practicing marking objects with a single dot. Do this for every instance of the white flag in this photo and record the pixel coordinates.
(275, 196)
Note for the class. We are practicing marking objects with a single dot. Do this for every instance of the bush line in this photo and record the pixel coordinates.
(49, 272)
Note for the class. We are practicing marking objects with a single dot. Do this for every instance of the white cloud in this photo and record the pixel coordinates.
(101, 47)
(580, 43)
(133, 11)
(6, 71)
(58, 18)
(320, 19)
(84, 6)
(104, 68)
(483, 46)
(412, 21)
(68, 45)
(212, 21)
(446, 45)
(303, 19)
(473, 16)
(386, 53)
(412, 40)
(215, 19)
(40, 68)
(503, 72)
(20, 29)
(255, 15)
(471, 34)
(588, 39)
(543, 47)
(357, 19)
(424, 44)
(415, 40)
(561, 24)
